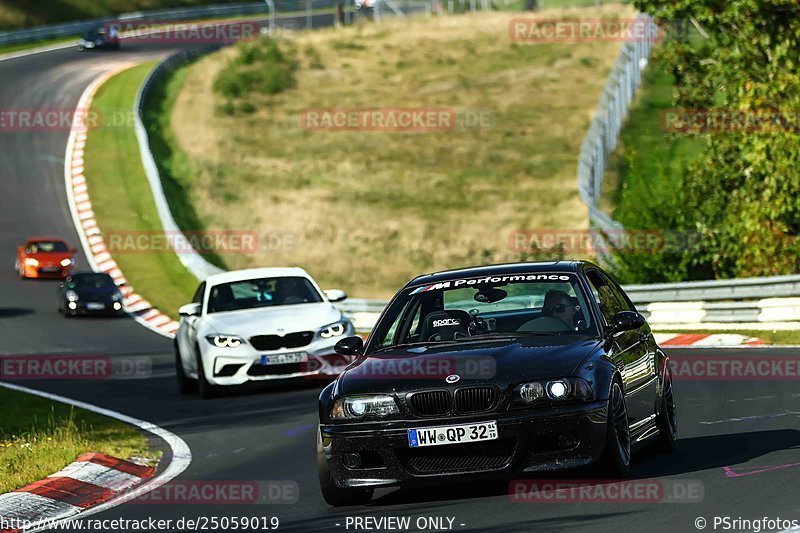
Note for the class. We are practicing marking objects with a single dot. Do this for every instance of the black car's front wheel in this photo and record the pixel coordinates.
(668, 418)
(334, 495)
(617, 453)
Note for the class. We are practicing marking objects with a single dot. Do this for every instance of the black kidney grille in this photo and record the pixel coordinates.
(475, 399)
(430, 403)
(276, 342)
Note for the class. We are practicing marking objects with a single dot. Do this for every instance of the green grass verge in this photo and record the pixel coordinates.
(648, 161)
(774, 336)
(122, 200)
(51, 435)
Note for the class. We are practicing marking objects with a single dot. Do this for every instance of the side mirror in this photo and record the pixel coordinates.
(350, 346)
(335, 295)
(192, 309)
(627, 321)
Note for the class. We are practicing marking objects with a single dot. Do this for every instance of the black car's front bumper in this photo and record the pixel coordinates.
(529, 440)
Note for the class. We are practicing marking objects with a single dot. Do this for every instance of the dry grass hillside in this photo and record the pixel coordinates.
(366, 210)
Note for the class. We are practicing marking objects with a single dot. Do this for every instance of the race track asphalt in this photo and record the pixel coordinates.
(269, 433)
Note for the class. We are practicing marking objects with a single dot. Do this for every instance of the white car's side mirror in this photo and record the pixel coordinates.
(335, 295)
(192, 309)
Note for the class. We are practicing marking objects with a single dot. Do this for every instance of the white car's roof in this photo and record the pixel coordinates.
(256, 273)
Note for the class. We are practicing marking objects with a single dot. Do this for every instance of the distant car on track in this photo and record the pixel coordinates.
(255, 325)
(99, 39)
(89, 293)
(515, 369)
(45, 257)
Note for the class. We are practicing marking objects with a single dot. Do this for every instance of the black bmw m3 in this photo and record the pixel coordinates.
(497, 370)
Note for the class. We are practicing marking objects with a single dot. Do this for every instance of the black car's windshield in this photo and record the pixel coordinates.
(511, 305)
(265, 292)
(92, 281)
(46, 247)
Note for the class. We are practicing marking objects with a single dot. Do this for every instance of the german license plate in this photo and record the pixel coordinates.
(94, 306)
(436, 436)
(284, 358)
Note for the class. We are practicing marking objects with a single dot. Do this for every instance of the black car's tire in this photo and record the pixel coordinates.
(617, 454)
(186, 385)
(334, 495)
(204, 388)
(668, 418)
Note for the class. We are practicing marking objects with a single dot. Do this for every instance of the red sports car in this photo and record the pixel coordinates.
(45, 257)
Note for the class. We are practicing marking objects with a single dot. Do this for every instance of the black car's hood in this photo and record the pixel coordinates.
(504, 362)
(95, 292)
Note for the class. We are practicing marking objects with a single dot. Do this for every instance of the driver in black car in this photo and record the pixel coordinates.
(558, 304)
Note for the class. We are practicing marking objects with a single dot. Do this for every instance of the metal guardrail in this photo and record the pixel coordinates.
(603, 134)
(733, 289)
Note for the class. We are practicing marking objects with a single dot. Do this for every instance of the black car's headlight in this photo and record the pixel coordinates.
(225, 341)
(337, 329)
(555, 390)
(71, 296)
(364, 407)
(117, 297)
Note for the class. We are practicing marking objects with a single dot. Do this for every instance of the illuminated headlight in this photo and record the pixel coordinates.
(117, 306)
(66, 262)
(362, 407)
(31, 262)
(556, 390)
(334, 330)
(225, 341)
(72, 296)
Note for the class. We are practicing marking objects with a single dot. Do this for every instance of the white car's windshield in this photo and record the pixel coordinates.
(264, 292)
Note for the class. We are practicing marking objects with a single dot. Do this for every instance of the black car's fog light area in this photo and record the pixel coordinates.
(228, 370)
(352, 460)
(555, 442)
(363, 460)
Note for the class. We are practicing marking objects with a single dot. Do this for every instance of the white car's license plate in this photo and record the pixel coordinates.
(94, 306)
(284, 358)
(452, 434)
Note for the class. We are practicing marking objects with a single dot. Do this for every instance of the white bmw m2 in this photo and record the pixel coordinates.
(258, 324)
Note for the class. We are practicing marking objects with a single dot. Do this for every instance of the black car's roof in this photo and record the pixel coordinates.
(496, 270)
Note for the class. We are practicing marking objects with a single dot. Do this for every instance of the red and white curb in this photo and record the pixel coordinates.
(705, 340)
(118, 484)
(91, 237)
(91, 480)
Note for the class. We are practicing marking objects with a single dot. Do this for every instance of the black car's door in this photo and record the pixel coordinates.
(630, 350)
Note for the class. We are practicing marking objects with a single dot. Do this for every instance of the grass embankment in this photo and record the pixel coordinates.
(366, 210)
(122, 200)
(39, 437)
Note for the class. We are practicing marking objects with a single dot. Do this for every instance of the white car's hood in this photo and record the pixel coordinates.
(277, 320)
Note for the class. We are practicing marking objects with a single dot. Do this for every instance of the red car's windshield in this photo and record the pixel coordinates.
(46, 247)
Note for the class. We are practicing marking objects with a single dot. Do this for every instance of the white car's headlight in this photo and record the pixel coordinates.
(334, 330)
(361, 407)
(66, 262)
(32, 262)
(225, 341)
(72, 296)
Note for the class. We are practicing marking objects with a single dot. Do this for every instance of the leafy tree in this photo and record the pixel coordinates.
(743, 193)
